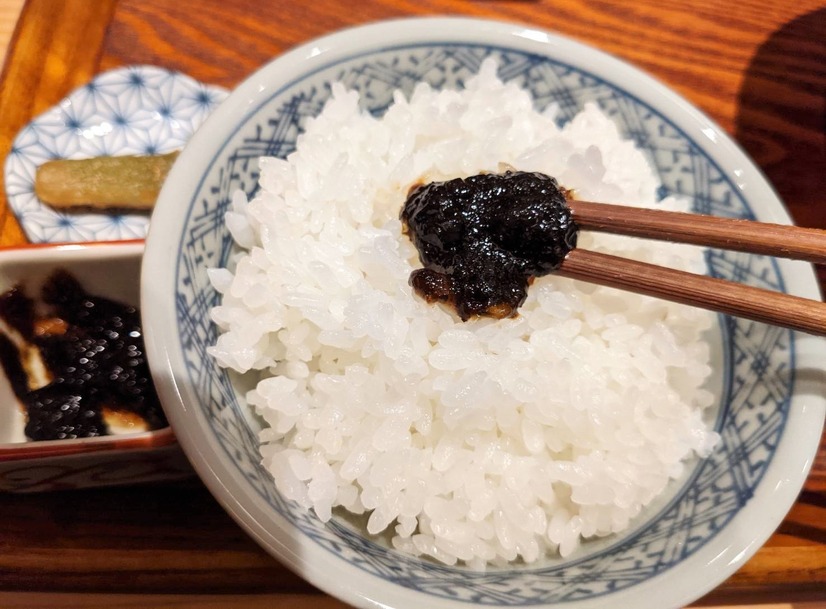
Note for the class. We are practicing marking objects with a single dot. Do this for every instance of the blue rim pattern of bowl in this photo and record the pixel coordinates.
(759, 360)
(129, 110)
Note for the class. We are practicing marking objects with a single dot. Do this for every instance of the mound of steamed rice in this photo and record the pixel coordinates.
(486, 441)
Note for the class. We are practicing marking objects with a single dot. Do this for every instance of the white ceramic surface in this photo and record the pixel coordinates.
(128, 110)
(771, 395)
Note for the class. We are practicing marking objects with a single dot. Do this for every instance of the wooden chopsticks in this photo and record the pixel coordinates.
(779, 240)
(719, 295)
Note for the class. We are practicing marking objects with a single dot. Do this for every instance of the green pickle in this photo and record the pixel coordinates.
(112, 182)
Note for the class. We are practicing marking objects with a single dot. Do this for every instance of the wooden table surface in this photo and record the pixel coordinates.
(757, 67)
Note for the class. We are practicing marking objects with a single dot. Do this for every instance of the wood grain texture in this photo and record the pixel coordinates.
(722, 296)
(236, 601)
(736, 234)
(189, 601)
(9, 14)
(758, 71)
(175, 539)
(56, 48)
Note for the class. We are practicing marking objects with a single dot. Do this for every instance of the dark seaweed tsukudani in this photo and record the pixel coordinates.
(97, 362)
(483, 239)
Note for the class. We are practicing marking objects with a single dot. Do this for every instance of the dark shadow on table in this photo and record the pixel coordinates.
(782, 116)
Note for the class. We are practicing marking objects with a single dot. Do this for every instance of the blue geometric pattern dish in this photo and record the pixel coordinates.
(769, 414)
(131, 110)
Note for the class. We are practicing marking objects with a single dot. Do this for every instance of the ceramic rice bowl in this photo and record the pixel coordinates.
(770, 404)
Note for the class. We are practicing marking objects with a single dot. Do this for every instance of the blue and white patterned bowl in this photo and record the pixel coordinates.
(771, 404)
(129, 110)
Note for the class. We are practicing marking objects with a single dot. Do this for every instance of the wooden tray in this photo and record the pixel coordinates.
(755, 67)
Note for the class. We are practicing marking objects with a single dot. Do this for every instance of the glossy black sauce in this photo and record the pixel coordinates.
(97, 363)
(483, 239)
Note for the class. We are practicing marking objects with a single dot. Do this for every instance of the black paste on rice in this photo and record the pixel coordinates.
(484, 238)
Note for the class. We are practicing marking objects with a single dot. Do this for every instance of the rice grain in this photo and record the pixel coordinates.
(480, 442)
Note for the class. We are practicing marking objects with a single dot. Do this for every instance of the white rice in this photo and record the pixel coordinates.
(485, 441)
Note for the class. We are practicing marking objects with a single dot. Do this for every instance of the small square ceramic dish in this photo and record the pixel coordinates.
(103, 269)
